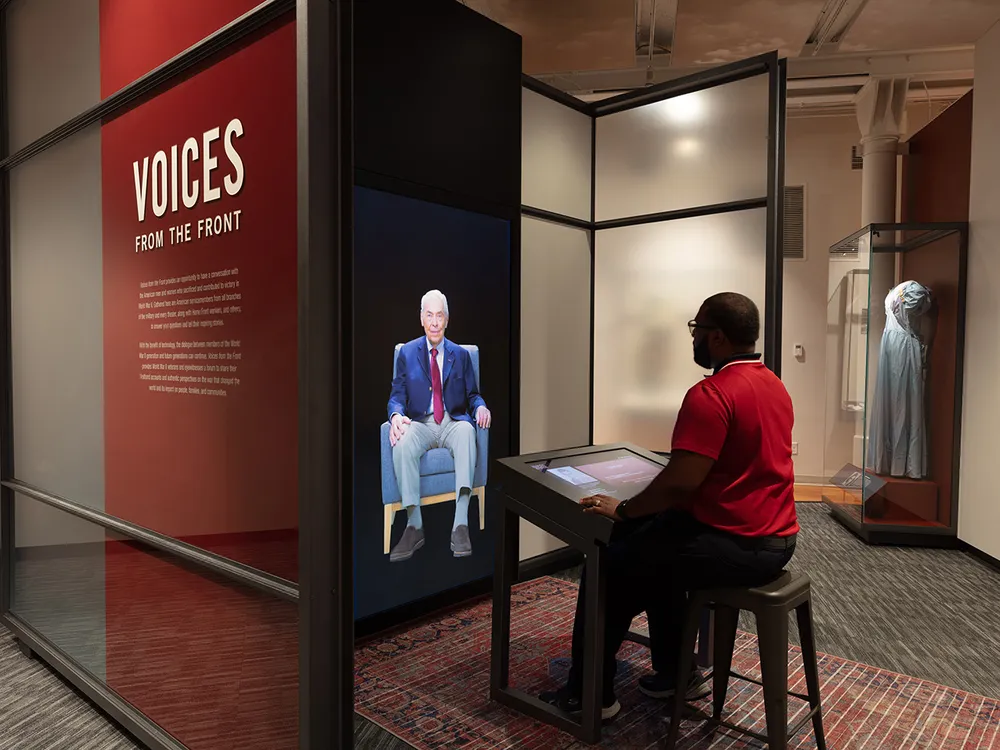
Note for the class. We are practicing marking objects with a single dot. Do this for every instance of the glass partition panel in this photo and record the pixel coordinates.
(57, 324)
(555, 336)
(53, 68)
(847, 354)
(212, 662)
(59, 580)
(697, 149)
(650, 281)
(555, 156)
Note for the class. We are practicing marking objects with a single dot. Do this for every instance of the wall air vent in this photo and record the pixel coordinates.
(794, 243)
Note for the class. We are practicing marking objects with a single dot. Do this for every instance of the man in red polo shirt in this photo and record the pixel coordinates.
(722, 513)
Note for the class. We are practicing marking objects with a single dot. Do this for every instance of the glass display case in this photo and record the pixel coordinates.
(895, 348)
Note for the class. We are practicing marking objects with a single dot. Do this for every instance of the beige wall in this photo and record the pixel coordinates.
(817, 155)
(979, 509)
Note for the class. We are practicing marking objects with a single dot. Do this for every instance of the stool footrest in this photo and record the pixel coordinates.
(713, 722)
(743, 677)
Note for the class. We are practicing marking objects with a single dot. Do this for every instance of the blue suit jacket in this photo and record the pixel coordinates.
(411, 388)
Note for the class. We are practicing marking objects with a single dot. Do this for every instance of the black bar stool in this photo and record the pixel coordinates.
(771, 604)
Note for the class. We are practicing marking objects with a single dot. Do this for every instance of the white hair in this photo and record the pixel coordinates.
(431, 295)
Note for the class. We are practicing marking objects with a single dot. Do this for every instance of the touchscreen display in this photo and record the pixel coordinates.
(620, 474)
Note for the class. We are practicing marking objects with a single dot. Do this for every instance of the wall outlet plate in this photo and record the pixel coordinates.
(795, 449)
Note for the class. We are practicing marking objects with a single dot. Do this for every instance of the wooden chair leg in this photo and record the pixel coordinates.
(390, 516)
(481, 493)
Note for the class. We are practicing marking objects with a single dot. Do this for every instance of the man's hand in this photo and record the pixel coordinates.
(397, 428)
(601, 505)
(483, 417)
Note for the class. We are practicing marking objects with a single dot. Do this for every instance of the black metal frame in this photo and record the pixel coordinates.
(445, 600)
(325, 180)
(902, 534)
(777, 70)
(326, 340)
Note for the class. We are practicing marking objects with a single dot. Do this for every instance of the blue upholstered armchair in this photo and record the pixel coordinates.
(437, 468)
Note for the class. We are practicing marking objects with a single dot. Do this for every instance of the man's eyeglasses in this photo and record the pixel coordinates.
(694, 325)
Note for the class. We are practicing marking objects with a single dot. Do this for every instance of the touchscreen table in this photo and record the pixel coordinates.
(618, 473)
(546, 489)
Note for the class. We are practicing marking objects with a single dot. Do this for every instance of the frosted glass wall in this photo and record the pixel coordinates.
(555, 336)
(555, 157)
(696, 149)
(650, 280)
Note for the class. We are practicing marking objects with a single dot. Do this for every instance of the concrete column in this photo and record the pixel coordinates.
(881, 111)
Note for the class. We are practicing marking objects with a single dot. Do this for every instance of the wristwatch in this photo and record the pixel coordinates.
(620, 510)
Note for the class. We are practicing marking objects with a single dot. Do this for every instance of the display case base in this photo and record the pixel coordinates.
(889, 534)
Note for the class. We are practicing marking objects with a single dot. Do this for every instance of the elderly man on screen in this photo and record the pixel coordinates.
(435, 403)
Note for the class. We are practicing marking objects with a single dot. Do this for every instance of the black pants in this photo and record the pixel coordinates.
(652, 565)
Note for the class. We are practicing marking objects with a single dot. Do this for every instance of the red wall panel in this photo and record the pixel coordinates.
(139, 35)
(201, 329)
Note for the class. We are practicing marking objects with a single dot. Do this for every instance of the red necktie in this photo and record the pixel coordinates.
(436, 387)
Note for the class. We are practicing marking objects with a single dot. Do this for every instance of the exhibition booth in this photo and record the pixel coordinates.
(229, 232)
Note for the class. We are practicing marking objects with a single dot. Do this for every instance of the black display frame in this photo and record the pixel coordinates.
(776, 70)
(324, 58)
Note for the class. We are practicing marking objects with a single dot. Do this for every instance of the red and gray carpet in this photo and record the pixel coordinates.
(429, 686)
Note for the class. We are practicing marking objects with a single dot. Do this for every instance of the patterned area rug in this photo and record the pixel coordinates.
(429, 685)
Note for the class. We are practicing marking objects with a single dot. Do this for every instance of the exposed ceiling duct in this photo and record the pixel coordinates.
(655, 23)
(834, 21)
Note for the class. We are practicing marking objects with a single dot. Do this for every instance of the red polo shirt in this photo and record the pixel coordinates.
(742, 417)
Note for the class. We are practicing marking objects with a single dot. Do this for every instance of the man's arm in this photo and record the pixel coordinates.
(397, 396)
(674, 487)
(477, 405)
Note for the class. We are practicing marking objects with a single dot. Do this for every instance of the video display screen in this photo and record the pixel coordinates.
(618, 473)
(431, 395)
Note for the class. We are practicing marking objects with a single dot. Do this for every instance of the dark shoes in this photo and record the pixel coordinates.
(567, 701)
(461, 545)
(655, 686)
(413, 539)
(663, 686)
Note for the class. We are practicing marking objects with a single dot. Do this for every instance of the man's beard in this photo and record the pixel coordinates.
(702, 357)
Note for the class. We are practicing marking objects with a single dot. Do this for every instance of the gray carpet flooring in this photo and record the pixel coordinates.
(38, 711)
(932, 614)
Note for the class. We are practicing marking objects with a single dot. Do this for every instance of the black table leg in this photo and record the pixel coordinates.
(504, 578)
(593, 650)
